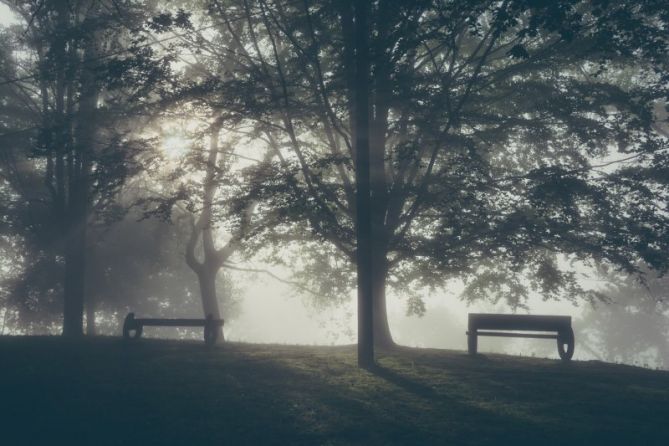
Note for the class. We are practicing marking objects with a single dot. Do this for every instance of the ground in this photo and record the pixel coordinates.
(104, 391)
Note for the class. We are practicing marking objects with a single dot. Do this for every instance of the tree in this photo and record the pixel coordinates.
(86, 64)
(213, 259)
(139, 266)
(204, 176)
(500, 137)
(363, 222)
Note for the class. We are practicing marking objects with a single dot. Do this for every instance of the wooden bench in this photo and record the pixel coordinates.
(133, 328)
(481, 324)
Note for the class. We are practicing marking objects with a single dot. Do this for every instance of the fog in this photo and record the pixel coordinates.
(186, 155)
(271, 312)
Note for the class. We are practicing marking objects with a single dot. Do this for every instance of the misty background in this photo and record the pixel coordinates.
(139, 266)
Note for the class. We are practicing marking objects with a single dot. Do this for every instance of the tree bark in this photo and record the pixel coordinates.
(363, 199)
(382, 335)
(77, 205)
(212, 260)
(75, 262)
(381, 93)
(207, 281)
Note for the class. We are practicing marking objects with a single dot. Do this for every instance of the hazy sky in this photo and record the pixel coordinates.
(6, 16)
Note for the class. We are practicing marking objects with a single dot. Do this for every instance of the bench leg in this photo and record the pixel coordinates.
(566, 339)
(131, 330)
(472, 342)
(210, 331)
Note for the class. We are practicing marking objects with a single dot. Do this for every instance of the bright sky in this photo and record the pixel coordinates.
(6, 15)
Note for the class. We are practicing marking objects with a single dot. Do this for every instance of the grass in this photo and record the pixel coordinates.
(105, 392)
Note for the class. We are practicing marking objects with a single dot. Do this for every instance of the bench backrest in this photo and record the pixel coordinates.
(522, 322)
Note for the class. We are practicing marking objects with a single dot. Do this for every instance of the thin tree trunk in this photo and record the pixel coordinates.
(212, 260)
(91, 329)
(4, 321)
(90, 295)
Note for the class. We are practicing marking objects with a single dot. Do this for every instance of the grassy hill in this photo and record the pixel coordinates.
(103, 391)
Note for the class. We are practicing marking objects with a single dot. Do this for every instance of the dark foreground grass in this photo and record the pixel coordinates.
(103, 392)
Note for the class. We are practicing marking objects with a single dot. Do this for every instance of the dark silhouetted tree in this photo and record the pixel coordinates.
(501, 137)
(84, 66)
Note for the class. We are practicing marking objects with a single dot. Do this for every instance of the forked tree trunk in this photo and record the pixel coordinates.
(212, 259)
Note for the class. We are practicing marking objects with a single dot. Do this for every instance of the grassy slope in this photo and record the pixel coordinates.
(103, 391)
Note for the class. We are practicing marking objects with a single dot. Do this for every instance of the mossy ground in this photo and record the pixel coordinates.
(104, 391)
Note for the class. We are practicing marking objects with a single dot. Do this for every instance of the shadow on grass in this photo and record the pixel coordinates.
(418, 389)
(103, 391)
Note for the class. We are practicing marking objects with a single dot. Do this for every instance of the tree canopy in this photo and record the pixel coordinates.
(506, 138)
(503, 136)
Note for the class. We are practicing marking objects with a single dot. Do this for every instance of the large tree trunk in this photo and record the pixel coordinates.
(74, 286)
(213, 259)
(364, 258)
(75, 262)
(79, 167)
(381, 96)
(382, 335)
